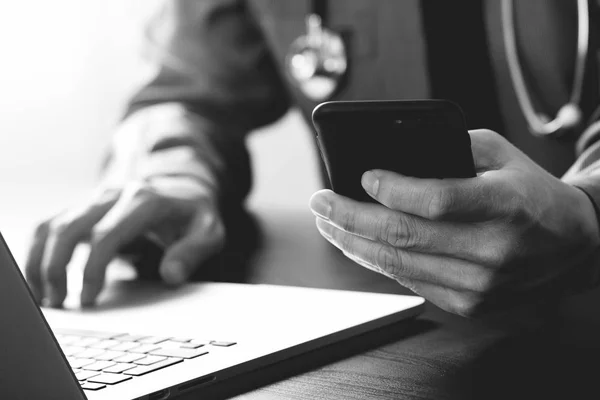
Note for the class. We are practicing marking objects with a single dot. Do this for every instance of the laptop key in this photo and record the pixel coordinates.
(90, 353)
(72, 350)
(131, 338)
(80, 362)
(129, 357)
(145, 369)
(179, 340)
(105, 344)
(109, 379)
(152, 340)
(119, 368)
(109, 355)
(190, 346)
(179, 353)
(221, 344)
(92, 386)
(82, 375)
(169, 343)
(99, 365)
(149, 360)
(145, 348)
(84, 333)
(86, 342)
(66, 339)
(125, 346)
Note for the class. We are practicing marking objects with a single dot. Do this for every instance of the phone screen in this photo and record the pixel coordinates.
(425, 139)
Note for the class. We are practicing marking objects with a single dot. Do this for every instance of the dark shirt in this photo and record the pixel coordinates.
(218, 73)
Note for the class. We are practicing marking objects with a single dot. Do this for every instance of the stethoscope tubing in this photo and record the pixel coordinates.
(570, 114)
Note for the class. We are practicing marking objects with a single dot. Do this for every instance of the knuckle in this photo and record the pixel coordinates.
(398, 232)
(503, 252)
(141, 191)
(439, 202)
(60, 227)
(388, 260)
(348, 221)
(154, 202)
(100, 237)
(520, 211)
(500, 255)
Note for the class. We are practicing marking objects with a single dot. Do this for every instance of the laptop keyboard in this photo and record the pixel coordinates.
(101, 359)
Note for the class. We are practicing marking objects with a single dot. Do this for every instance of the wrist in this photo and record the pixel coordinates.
(590, 214)
(585, 275)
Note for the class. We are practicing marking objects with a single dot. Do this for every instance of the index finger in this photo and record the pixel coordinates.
(33, 263)
(435, 199)
(131, 216)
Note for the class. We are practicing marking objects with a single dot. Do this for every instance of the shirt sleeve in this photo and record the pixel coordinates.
(212, 80)
(585, 175)
(585, 172)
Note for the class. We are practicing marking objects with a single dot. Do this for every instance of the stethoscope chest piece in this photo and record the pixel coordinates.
(317, 61)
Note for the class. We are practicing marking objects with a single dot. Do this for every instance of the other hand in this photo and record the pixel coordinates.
(180, 210)
(505, 238)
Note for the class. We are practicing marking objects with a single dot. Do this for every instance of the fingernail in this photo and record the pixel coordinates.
(174, 273)
(320, 206)
(370, 183)
(88, 296)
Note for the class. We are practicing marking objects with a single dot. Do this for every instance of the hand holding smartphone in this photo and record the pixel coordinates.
(420, 138)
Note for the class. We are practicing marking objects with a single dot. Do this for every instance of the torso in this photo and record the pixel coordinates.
(388, 51)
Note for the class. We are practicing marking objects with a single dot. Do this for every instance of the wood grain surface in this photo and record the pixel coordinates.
(540, 352)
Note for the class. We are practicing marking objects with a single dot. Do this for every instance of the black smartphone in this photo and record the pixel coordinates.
(419, 138)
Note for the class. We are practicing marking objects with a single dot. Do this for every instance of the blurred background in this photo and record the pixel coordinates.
(67, 69)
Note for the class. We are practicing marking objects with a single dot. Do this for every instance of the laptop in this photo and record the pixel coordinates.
(158, 345)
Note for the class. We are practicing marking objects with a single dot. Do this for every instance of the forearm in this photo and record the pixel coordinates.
(213, 81)
(168, 140)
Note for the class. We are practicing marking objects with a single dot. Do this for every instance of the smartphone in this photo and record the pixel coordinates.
(419, 138)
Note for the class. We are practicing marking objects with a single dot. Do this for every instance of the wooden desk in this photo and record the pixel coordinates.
(554, 355)
(440, 356)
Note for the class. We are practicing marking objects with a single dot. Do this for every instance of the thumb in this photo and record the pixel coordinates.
(490, 150)
(205, 237)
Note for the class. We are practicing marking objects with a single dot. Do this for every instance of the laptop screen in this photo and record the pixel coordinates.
(31, 363)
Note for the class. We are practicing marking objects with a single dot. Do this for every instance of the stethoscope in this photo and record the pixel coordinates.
(317, 62)
(569, 115)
